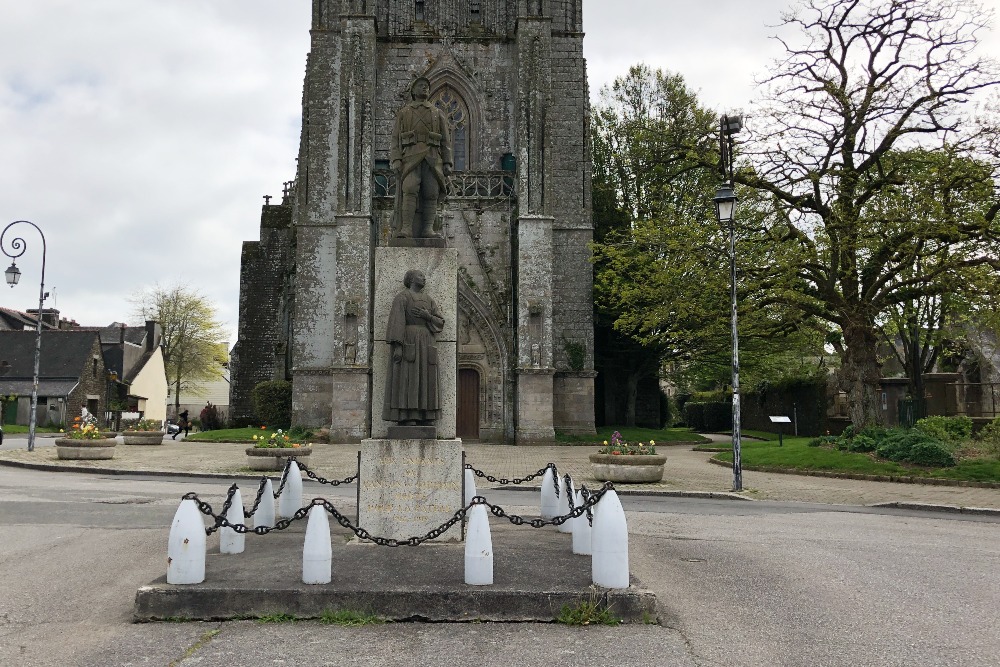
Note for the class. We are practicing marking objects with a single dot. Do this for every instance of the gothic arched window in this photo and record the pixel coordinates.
(448, 100)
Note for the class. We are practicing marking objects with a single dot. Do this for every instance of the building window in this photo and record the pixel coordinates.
(94, 372)
(457, 113)
(474, 10)
(418, 10)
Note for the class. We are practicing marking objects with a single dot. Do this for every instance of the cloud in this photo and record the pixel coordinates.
(140, 135)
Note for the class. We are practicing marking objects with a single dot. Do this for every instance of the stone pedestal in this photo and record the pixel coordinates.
(408, 487)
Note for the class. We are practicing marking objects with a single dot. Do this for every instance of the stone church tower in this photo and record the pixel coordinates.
(511, 78)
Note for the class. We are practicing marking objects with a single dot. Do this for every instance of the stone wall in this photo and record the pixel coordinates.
(260, 353)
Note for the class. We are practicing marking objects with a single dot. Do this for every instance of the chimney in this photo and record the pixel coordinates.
(50, 316)
(153, 335)
(121, 339)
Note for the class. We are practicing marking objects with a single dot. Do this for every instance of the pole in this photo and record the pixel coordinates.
(19, 244)
(737, 463)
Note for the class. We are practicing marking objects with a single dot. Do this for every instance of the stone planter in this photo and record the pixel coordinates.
(142, 437)
(274, 458)
(628, 468)
(70, 449)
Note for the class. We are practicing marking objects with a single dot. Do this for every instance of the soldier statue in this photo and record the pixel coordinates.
(421, 157)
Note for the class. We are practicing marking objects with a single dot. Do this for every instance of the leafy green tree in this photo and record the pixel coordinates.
(191, 335)
(862, 85)
(662, 280)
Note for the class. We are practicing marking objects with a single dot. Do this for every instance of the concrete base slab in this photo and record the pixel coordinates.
(535, 575)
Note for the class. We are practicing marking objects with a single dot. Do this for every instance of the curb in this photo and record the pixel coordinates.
(901, 479)
(979, 511)
(723, 495)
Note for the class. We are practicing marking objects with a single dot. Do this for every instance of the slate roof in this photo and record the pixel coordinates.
(64, 353)
(112, 334)
(16, 320)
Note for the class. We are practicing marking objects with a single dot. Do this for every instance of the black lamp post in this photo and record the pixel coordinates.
(725, 208)
(13, 275)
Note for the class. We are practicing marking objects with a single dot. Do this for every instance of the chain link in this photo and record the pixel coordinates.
(517, 480)
(220, 520)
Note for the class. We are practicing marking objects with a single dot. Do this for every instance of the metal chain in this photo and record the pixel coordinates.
(361, 533)
(516, 480)
(322, 480)
(585, 495)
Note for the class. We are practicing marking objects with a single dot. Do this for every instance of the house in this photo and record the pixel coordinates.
(216, 392)
(71, 373)
(134, 359)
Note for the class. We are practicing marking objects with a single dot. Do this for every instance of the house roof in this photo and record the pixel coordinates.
(112, 334)
(17, 320)
(64, 353)
(138, 366)
(23, 386)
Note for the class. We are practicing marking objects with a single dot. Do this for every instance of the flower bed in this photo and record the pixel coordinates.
(624, 463)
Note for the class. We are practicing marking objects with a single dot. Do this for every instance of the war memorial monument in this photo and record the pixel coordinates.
(449, 139)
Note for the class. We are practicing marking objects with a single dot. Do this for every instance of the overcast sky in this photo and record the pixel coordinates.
(141, 135)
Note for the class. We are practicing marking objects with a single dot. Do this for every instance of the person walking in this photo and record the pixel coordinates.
(183, 425)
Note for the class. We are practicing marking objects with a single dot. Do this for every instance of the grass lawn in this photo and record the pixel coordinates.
(245, 434)
(15, 428)
(664, 436)
(795, 454)
(633, 435)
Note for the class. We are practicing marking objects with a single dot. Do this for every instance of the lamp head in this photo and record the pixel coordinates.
(725, 203)
(13, 274)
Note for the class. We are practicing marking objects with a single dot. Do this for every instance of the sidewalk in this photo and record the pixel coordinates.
(686, 471)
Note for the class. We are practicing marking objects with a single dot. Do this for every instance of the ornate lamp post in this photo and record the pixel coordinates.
(725, 207)
(13, 275)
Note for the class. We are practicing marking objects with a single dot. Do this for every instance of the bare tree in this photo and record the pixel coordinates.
(863, 84)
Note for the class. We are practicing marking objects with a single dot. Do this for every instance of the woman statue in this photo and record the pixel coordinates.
(411, 386)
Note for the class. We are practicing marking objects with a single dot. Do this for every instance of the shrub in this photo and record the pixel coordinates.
(823, 441)
(862, 443)
(989, 437)
(848, 432)
(929, 453)
(913, 446)
(718, 416)
(272, 401)
(952, 430)
(694, 415)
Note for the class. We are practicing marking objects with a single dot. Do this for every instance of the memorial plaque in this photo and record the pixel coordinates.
(409, 487)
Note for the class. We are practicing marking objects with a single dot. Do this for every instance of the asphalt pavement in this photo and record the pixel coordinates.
(818, 571)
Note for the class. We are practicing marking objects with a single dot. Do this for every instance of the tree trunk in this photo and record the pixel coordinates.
(860, 374)
(631, 391)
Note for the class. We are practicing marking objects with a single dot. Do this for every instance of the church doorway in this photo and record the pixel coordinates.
(468, 404)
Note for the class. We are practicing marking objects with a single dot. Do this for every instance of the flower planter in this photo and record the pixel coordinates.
(274, 458)
(71, 449)
(628, 468)
(142, 437)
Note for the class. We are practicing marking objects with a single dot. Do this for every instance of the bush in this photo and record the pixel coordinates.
(929, 453)
(989, 436)
(272, 401)
(862, 443)
(694, 415)
(823, 441)
(951, 430)
(913, 446)
(718, 416)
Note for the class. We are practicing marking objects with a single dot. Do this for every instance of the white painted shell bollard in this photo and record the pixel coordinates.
(186, 546)
(231, 542)
(609, 564)
(470, 486)
(478, 548)
(317, 551)
(550, 503)
(566, 491)
(264, 516)
(581, 530)
(290, 500)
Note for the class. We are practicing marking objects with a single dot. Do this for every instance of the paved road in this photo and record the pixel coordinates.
(738, 583)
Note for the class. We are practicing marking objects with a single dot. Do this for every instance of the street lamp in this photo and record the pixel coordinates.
(13, 275)
(725, 209)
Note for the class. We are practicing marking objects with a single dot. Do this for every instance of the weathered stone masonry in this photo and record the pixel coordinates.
(511, 76)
